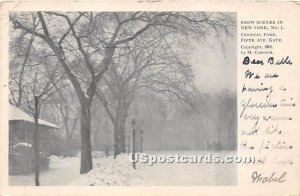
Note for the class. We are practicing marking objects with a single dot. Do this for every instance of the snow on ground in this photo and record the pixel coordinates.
(110, 172)
(188, 174)
(118, 172)
(64, 171)
(61, 170)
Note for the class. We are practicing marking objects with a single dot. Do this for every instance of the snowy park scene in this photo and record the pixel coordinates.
(122, 98)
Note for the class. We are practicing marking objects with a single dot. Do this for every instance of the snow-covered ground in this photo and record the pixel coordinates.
(188, 174)
(110, 172)
(62, 170)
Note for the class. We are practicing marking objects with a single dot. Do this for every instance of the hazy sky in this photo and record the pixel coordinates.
(215, 65)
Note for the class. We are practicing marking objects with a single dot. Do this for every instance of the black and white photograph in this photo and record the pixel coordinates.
(137, 98)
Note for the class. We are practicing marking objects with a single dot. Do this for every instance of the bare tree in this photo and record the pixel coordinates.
(153, 61)
(21, 56)
(91, 39)
(41, 90)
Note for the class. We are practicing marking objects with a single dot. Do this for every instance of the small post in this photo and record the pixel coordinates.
(133, 123)
(141, 140)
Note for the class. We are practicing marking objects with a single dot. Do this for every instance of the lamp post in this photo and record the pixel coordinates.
(141, 140)
(133, 124)
(128, 144)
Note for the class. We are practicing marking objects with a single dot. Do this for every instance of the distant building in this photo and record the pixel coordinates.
(21, 130)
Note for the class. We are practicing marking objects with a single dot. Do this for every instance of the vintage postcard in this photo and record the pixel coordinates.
(149, 98)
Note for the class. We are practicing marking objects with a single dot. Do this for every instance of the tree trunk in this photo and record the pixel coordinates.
(123, 111)
(86, 163)
(117, 150)
(119, 131)
(36, 142)
(122, 134)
